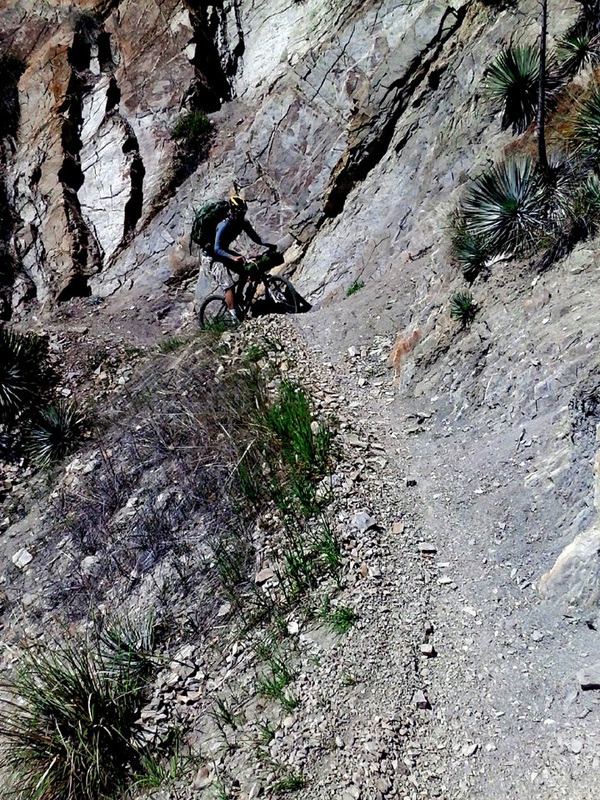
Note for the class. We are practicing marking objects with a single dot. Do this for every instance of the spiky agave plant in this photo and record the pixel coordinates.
(53, 433)
(506, 206)
(467, 250)
(587, 125)
(512, 82)
(463, 308)
(577, 49)
(21, 372)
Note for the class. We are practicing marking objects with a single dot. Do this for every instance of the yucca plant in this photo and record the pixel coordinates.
(21, 372)
(512, 82)
(53, 433)
(463, 308)
(506, 207)
(577, 49)
(68, 732)
(587, 125)
(468, 250)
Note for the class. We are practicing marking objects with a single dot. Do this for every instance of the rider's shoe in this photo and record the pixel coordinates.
(233, 314)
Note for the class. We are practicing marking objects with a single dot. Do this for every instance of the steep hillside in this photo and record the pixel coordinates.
(460, 491)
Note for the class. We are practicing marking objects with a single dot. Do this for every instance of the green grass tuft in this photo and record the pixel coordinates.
(354, 287)
(192, 129)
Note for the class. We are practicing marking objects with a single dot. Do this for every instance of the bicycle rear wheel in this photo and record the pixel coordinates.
(215, 315)
(280, 294)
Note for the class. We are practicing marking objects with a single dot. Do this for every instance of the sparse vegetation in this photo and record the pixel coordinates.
(192, 130)
(340, 619)
(463, 308)
(354, 287)
(69, 730)
(289, 783)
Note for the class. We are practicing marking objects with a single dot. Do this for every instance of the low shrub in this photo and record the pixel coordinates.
(587, 126)
(468, 250)
(577, 49)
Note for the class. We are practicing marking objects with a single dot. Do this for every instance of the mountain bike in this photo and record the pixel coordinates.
(278, 296)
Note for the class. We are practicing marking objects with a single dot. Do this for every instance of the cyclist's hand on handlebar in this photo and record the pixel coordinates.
(240, 260)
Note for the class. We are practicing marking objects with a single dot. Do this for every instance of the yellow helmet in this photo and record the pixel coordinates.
(237, 203)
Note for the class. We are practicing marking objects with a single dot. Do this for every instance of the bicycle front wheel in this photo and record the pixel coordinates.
(280, 295)
(214, 314)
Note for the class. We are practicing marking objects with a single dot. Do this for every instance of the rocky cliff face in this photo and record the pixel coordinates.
(349, 125)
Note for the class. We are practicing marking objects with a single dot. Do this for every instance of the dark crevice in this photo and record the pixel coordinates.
(133, 207)
(77, 287)
(362, 157)
(215, 62)
(11, 69)
(105, 52)
(113, 95)
(85, 251)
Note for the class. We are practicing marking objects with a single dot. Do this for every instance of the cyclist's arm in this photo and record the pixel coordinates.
(221, 244)
(252, 234)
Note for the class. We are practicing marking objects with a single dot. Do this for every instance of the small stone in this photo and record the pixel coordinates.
(428, 650)
(22, 558)
(576, 746)
(589, 678)
(293, 627)
(363, 521)
(374, 571)
(444, 581)
(490, 747)
(398, 527)
(202, 779)
(469, 750)
(264, 575)
(410, 481)
(537, 636)
(353, 351)
(426, 548)
(420, 700)
(224, 610)
(28, 599)
(88, 563)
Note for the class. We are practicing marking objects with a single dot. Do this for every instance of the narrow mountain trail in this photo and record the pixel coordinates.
(507, 717)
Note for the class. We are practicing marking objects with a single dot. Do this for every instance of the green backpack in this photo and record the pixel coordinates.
(204, 226)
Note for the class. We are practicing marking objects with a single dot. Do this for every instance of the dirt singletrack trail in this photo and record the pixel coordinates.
(508, 719)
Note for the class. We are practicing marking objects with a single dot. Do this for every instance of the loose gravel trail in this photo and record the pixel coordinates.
(508, 719)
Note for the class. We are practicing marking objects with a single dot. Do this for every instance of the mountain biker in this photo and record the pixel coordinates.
(227, 260)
